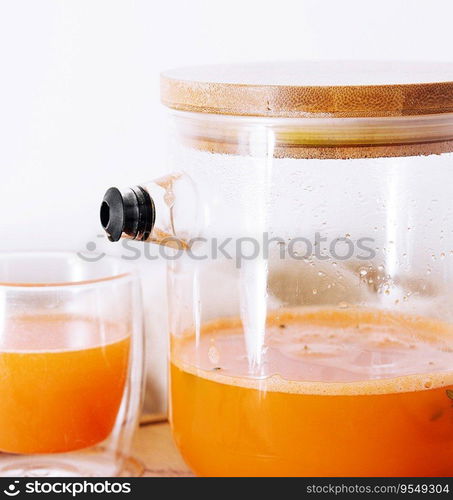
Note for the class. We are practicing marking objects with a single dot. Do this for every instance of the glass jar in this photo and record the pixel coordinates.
(308, 228)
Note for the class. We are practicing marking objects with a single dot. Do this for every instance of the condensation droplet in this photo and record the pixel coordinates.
(213, 355)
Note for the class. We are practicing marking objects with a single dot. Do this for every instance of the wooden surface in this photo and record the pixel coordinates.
(155, 449)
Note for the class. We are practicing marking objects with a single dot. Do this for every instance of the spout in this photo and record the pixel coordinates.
(130, 213)
(163, 211)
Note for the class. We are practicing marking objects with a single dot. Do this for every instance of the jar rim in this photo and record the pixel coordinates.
(316, 138)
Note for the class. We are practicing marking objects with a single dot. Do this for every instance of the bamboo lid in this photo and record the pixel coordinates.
(330, 109)
(312, 89)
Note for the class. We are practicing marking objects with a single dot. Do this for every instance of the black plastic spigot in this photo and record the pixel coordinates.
(129, 213)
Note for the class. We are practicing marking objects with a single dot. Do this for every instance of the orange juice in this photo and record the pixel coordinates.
(340, 393)
(61, 382)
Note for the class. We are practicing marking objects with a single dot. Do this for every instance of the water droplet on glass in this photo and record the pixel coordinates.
(213, 355)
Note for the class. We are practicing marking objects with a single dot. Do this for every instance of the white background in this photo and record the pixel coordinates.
(79, 90)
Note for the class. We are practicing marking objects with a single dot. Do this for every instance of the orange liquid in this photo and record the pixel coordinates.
(343, 393)
(61, 383)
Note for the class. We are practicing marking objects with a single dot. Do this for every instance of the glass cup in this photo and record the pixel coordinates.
(71, 364)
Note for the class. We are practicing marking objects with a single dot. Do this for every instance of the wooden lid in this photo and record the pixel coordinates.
(312, 89)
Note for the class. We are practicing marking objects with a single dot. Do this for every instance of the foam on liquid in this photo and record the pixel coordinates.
(57, 333)
(327, 352)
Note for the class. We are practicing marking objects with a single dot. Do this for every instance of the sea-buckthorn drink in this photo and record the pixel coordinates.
(61, 383)
(346, 393)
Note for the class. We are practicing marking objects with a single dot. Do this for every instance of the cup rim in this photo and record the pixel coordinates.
(127, 271)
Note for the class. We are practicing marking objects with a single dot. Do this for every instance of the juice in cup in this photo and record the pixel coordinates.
(62, 379)
(345, 393)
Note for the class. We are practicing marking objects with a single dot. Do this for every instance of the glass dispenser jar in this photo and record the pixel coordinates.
(308, 228)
